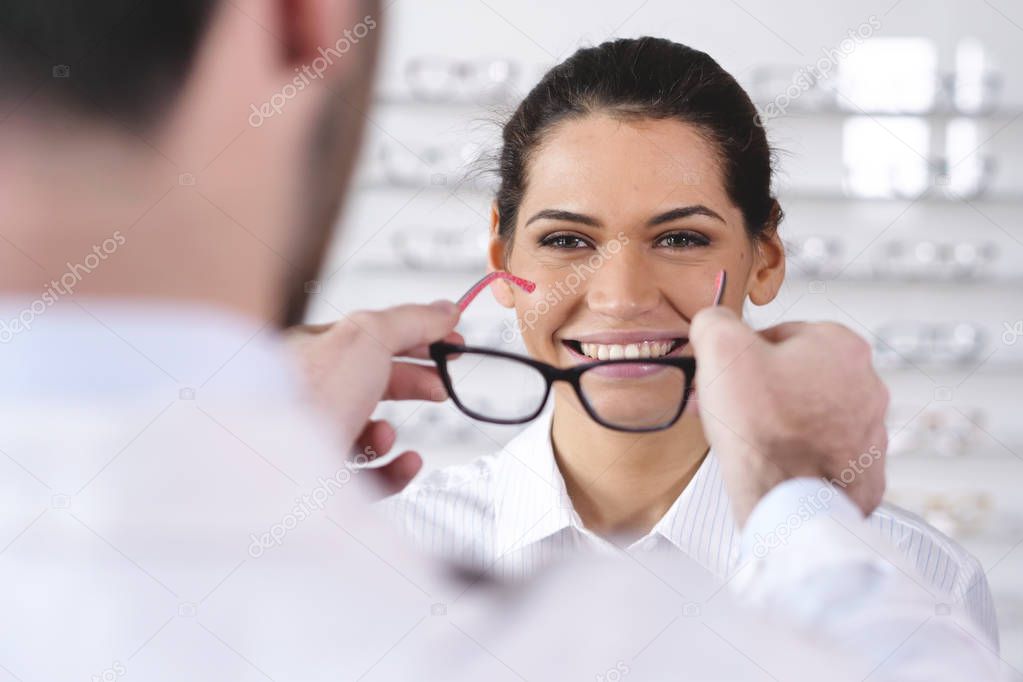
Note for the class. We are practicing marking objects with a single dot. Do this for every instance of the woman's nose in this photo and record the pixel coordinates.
(622, 287)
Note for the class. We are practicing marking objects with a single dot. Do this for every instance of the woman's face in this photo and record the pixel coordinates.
(623, 226)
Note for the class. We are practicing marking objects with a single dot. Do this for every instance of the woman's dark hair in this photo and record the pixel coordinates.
(645, 78)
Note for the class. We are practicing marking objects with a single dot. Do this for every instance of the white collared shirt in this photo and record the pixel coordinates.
(167, 506)
(171, 505)
(509, 514)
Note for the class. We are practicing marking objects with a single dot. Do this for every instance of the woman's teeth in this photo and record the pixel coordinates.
(630, 351)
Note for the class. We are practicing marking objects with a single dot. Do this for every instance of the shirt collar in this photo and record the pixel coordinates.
(532, 503)
(700, 522)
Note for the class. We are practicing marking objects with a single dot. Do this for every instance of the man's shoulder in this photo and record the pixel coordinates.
(937, 556)
(942, 561)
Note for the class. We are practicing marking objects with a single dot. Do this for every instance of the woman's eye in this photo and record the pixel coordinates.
(564, 241)
(682, 240)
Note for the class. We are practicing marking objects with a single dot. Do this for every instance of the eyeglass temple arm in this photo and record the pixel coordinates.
(719, 286)
(476, 288)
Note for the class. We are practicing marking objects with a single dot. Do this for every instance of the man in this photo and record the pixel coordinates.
(175, 505)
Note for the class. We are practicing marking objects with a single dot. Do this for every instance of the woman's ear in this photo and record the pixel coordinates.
(768, 262)
(496, 256)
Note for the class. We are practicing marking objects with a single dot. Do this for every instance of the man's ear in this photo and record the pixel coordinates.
(320, 33)
(496, 260)
(768, 262)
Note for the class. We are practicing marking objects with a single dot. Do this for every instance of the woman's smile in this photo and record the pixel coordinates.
(619, 346)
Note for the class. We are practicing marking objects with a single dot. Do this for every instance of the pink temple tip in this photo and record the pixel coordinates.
(719, 287)
(476, 288)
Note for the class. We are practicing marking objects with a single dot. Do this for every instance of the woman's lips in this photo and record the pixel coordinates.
(630, 370)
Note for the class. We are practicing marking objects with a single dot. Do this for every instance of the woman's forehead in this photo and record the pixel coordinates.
(600, 160)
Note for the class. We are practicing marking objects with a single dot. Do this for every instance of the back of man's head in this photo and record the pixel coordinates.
(139, 117)
(103, 57)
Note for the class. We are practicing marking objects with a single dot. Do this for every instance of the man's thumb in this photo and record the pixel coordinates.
(717, 334)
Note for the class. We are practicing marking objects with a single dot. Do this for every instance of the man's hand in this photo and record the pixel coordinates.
(350, 366)
(798, 399)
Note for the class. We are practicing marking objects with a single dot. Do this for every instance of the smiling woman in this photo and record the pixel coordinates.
(638, 170)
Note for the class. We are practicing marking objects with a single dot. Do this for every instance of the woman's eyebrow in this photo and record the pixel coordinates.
(666, 217)
(683, 212)
(567, 216)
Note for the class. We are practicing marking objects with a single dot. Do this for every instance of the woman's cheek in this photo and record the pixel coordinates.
(534, 324)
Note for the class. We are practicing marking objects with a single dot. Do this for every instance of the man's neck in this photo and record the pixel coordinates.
(98, 216)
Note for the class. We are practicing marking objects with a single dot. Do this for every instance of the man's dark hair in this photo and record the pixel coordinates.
(126, 58)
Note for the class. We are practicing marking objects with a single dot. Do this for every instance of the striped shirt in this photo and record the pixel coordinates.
(509, 513)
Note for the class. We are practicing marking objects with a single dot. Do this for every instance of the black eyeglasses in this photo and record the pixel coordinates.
(635, 394)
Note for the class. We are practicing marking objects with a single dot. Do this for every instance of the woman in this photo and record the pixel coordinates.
(649, 154)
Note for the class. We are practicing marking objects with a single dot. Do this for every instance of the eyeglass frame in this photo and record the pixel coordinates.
(440, 351)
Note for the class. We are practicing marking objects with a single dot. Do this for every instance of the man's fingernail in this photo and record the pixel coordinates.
(707, 316)
(719, 311)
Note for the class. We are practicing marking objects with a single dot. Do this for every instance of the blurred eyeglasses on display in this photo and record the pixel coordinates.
(876, 81)
(442, 79)
(964, 171)
(816, 256)
(441, 248)
(903, 343)
(975, 86)
(960, 514)
(937, 430)
(440, 165)
(771, 84)
(926, 259)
